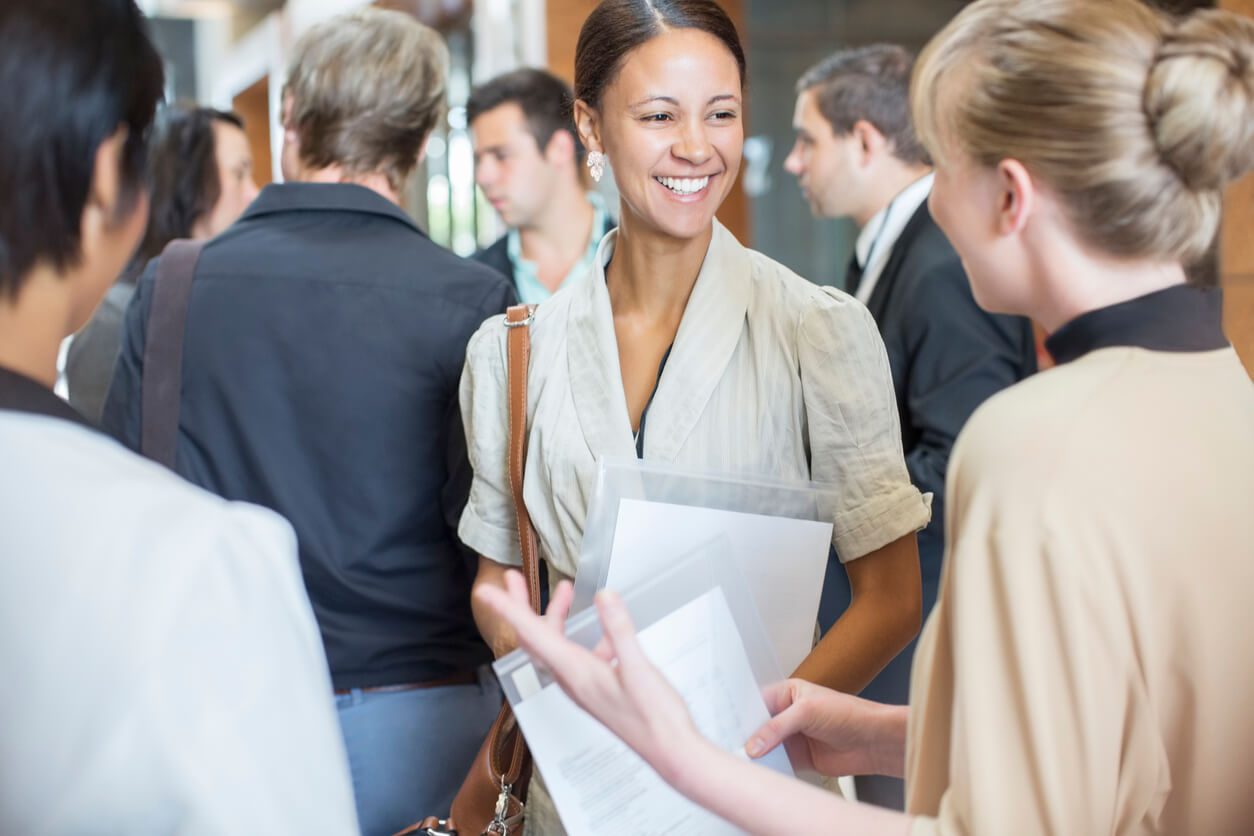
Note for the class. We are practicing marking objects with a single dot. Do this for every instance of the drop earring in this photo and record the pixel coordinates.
(596, 165)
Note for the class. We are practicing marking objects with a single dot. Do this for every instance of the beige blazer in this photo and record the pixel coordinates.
(769, 375)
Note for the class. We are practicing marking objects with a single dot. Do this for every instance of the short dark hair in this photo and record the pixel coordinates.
(545, 100)
(71, 73)
(183, 166)
(870, 83)
(616, 27)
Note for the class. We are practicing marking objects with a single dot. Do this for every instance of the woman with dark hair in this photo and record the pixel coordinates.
(690, 349)
(200, 182)
(1087, 667)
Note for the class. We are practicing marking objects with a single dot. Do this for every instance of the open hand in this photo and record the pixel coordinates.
(615, 683)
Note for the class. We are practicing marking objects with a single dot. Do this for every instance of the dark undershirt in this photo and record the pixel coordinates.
(1181, 318)
(645, 414)
(18, 393)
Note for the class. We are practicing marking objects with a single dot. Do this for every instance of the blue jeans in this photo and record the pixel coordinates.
(410, 750)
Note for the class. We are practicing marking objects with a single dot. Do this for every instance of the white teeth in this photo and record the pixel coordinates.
(684, 185)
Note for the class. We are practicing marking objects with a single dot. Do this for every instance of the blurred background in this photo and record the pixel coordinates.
(232, 54)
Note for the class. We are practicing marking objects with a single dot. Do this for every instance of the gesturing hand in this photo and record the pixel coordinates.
(616, 683)
(830, 732)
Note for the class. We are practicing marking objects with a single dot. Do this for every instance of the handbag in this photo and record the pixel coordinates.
(491, 798)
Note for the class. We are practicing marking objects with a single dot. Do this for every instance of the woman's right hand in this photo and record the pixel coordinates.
(830, 732)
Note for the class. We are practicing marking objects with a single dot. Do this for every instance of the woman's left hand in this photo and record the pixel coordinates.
(616, 683)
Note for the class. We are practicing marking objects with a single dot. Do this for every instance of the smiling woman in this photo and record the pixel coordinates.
(690, 349)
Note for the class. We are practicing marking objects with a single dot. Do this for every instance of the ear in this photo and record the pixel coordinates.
(1016, 199)
(561, 147)
(871, 143)
(588, 124)
(100, 212)
(422, 150)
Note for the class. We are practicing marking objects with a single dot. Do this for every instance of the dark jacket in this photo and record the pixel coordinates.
(947, 357)
(324, 346)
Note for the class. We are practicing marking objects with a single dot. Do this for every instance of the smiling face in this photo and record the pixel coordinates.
(671, 127)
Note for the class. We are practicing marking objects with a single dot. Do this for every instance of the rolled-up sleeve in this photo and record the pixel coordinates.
(488, 525)
(854, 430)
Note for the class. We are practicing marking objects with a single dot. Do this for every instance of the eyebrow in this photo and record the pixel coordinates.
(722, 97)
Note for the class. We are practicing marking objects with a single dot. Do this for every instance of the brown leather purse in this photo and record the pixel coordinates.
(491, 798)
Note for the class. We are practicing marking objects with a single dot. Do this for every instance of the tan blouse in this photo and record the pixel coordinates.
(769, 375)
(1088, 668)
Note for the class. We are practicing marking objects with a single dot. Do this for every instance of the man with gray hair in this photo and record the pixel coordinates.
(856, 156)
(323, 342)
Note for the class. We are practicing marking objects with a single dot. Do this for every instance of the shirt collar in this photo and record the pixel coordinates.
(18, 393)
(325, 197)
(526, 278)
(1181, 318)
(886, 225)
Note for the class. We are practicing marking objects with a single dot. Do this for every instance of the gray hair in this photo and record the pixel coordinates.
(366, 89)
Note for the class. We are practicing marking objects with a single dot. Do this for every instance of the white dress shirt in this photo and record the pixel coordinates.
(769, 375)
(162, 671)
(876, 240)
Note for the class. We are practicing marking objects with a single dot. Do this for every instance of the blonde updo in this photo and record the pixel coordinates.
(1137, 120)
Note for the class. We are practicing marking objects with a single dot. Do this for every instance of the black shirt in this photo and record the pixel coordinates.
(325, 341)
(1178, 318)
(18, 393)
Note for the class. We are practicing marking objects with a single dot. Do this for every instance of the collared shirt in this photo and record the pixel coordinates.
(769, 375)
(876, 240)
(527, 275)
(1087, 668)
(163, 669)
(325, 340)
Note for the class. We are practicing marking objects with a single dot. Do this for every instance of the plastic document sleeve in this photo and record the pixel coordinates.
(698, 624)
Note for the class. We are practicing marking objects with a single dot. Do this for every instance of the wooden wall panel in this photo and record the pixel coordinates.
(564, 18)
(1236, 253)
(254, 106)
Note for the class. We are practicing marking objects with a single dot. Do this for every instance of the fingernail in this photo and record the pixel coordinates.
(753, 748)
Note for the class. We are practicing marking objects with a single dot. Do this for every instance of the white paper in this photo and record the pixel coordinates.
(782, 560)
(597, 783)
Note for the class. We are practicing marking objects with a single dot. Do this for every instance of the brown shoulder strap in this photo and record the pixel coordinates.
(518, 320)
(162, 376)
(510, 755)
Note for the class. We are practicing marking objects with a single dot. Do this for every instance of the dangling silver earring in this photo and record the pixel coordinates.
(596, 165)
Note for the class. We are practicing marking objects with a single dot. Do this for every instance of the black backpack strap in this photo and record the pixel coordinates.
(161, 386)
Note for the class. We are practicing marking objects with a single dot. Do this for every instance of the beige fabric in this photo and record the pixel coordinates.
(1088, 667)
(768, 371)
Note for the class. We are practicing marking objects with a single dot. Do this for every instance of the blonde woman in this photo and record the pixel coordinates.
(1087, 667)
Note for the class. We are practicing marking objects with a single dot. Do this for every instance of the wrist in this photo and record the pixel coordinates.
(682, 760)
(888, 747)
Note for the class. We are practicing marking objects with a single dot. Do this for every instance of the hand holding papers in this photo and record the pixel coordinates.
(693, 675)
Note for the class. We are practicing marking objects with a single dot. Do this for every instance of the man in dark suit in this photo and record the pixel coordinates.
(324, 343)
(856, 156)
(527, 162)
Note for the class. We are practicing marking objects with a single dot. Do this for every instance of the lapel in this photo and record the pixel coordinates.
(596, 378)
(708, 334)
(887, 283)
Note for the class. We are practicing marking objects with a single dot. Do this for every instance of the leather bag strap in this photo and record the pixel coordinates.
(162, 377)
(518, 320)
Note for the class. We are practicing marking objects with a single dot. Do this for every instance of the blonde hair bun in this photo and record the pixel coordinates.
(1199, 98)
